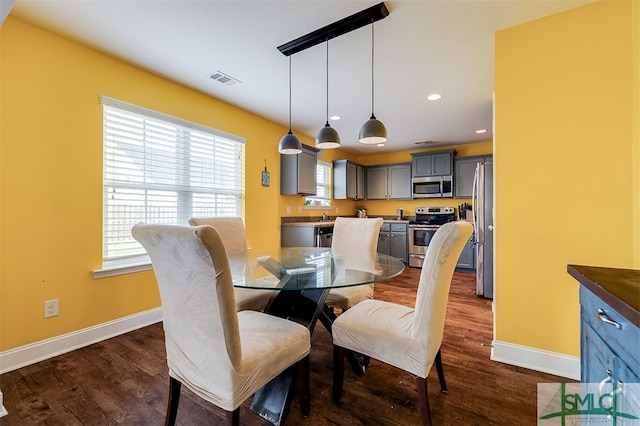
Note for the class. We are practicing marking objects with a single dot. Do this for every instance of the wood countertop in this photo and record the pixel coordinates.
(619, 288)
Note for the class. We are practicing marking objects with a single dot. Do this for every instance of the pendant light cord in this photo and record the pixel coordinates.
(289, 93)
(372, 63)
(327, 81)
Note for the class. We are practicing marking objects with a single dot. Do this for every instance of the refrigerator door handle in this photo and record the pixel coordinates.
(474, 203)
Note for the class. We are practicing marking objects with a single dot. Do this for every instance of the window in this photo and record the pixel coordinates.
(161, 169)
(323, 186)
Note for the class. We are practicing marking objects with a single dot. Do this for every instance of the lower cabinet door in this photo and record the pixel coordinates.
(597, 359)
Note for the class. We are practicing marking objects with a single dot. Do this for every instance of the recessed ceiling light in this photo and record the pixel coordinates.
(434, 97)
(481, 131)
(335, 117)
(380, 144)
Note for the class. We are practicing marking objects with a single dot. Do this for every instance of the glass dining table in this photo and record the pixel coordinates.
(301, 278)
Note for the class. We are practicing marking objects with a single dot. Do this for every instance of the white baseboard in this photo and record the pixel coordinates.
(39, 351)
(536, 359)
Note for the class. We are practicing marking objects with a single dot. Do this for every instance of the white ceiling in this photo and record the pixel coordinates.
(422, 47)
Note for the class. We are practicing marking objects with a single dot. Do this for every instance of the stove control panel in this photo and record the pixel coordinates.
(435, 210)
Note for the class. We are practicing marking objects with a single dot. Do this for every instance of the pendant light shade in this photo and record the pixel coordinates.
(327, 137)
(289, 144)
(372, 131)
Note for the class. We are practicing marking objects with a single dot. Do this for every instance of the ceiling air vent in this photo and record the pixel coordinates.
(224, 78)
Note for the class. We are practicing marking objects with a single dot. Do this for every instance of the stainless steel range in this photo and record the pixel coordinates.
(422, 229)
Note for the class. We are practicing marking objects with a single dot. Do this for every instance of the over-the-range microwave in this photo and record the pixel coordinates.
(432, 187)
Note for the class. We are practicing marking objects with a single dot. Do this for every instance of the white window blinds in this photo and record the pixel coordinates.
(323, 186)
(161, 169)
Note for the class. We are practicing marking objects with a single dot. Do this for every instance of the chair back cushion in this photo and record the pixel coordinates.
(198, 302)
(435, 281)
(231, 230)
(352, 234)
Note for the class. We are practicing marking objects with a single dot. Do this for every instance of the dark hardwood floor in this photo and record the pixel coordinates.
(124, 380)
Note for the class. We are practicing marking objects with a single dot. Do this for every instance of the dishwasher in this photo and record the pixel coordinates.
(324, 235)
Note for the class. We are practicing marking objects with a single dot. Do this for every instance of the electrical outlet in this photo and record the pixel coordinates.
(337, 210)
(51, 308)
(288, 209)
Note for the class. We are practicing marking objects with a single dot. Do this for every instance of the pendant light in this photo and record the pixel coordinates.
(289, 144)
(372, 131)
(327, 137)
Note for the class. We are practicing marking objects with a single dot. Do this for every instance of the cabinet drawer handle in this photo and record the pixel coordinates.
(602, 316)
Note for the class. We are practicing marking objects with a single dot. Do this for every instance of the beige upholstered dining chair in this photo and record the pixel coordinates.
(221, 355)
(353, 235)
(407, 338)
(231, 230)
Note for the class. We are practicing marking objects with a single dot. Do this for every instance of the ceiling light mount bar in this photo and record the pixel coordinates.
(338, 28)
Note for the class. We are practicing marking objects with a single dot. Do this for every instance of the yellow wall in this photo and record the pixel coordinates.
(51, 179)
(564, 165)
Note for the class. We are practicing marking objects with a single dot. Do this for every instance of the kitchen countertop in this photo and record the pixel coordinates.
(619, 288)
(319, 224)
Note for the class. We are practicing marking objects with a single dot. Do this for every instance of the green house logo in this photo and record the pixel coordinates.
(589, 404)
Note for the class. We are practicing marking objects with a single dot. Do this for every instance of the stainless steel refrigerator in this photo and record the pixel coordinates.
(482, 207)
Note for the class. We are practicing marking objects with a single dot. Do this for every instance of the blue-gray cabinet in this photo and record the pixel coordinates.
(438, 163)
(392, 240)
(348, 180)
(467, 258)
(464, 169)
(389, 182)
(609, 325)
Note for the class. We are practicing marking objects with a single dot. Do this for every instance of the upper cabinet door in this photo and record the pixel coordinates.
(389, 182)
(464, 170)
(377, 183)
(348, 180)
(433, 163)
(399, 181)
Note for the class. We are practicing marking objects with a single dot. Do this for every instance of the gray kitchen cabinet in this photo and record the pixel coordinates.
(606, 353)
(609, 327)
(298, 172)
(392, 240)
(348, 180)
(389, 182)
(298, 236)
(467, 258)
(438, 163)
(464, 169)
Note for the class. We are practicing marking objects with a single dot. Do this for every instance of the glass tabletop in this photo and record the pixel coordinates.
(297, 268)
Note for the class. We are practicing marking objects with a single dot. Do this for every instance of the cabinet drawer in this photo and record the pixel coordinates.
(624, 340)
(398, 227)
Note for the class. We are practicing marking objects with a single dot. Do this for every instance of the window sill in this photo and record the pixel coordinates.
(318, 207)
(123, 267)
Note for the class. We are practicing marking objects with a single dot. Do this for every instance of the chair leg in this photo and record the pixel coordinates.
(440, 370)
(304, 389)
(423, 401)
(174, 400)
(233, 417)
(338, 372)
